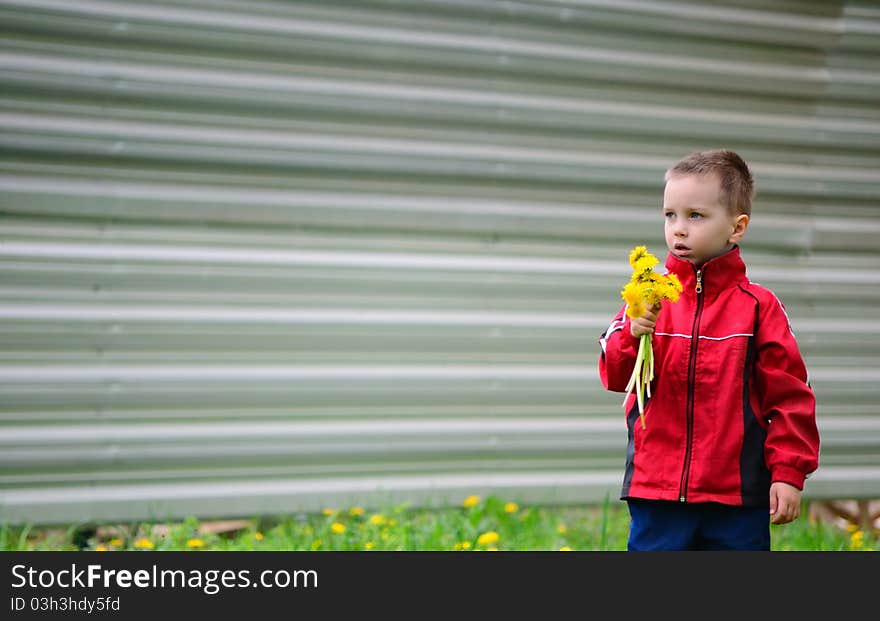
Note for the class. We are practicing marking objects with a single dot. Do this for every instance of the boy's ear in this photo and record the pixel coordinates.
(740, 224)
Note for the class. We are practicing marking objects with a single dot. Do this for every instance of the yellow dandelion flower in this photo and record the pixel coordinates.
(852, 527)
(258, 536)
(377, 519)
(116, 542)
(392, 522)
(857, 540)
(144, 544)
(645, 264)
(195, 543)
(637, 254)
(646, 291)
(337, 528)
(565, 549)
(562, 529)
(369, 545)
(633, 299)
(329, 511)
(511, 507)
(487, 538)
(462, 545)
(100, 548)
(470, 501)
(356, 511)
(673, 287)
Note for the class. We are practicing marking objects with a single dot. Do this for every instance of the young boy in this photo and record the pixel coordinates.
(730, 427)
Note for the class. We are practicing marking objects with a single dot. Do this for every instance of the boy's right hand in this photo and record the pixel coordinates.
(644, 324)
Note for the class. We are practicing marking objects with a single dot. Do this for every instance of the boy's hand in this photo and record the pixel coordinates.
(785, 503)
(645, 323)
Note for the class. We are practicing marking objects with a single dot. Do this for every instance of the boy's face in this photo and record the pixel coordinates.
(698, 227)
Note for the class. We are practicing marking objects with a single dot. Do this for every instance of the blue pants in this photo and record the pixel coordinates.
(668, 525)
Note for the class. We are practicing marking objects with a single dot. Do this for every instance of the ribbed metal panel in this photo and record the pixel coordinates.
(261, 257)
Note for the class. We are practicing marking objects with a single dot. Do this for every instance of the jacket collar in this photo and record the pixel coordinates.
(718, 273)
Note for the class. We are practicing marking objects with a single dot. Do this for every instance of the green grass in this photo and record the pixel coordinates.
(486, 524)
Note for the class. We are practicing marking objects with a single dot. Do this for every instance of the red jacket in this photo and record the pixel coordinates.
(732, 409)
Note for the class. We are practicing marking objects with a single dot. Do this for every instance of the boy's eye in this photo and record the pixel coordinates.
(696, 215)
(668, 214)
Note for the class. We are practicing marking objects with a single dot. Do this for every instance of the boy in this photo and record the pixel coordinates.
(730, 428)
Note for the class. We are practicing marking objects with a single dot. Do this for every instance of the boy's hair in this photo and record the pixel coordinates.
(737, 184)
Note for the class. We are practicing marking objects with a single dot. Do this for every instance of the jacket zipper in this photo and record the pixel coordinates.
(692, 377)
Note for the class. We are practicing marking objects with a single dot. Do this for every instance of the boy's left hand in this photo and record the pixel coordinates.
(785, 503)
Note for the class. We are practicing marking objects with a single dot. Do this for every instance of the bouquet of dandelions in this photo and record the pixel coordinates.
(646, 288)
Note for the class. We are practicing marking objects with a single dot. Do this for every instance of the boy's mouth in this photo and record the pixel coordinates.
(682, 249)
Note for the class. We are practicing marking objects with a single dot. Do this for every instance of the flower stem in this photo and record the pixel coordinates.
(634, 378)
(645, 374)
(640, 378)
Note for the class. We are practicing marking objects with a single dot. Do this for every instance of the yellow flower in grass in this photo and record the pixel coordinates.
(356, 511)
(491, 549)
(116, 542)
(258, 536)
(565, 549)
(378, 519)
(857, 540)
(470, 501)
(369, 545)
(511, 507)
(462, 545)
(487, 538)
(337, 528)
(144, 544)
(195, 543)
(562, 529)
(329, 512)
(100, 548)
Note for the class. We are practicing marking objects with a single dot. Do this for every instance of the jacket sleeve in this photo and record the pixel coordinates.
(618, 355)
(786, 398)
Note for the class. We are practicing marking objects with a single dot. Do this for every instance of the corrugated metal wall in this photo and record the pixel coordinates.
(260, 257)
